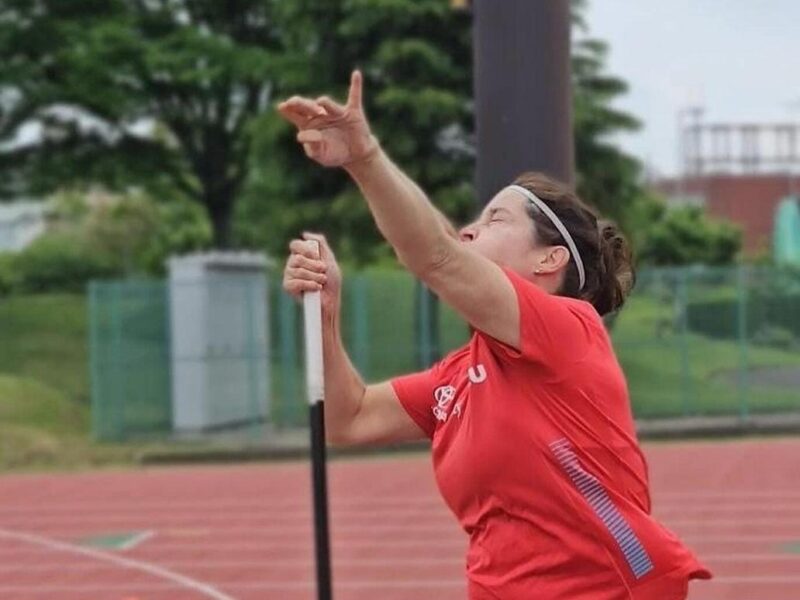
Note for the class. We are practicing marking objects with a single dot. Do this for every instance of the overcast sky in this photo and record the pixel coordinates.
(740, 59)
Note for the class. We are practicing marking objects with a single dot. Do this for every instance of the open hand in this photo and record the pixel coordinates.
(332, 134)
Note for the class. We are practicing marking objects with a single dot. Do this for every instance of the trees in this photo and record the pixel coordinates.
(416, 60)
(686, 236)
(175, 96)
(158, 93)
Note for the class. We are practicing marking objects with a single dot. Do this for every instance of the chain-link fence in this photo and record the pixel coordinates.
(702, 341)
(692, 341)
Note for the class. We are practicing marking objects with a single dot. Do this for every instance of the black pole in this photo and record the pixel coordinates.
(522, 91)
(320, 482)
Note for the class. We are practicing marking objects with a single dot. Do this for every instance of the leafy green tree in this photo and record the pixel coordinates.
(59, 261)
(131, 231)
(175, 95)
(416, 60)
(139, 234)
(418, 90)
(686, 236)
(156, 92)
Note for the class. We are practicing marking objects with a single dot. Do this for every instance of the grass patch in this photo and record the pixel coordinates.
(43, 338)
(671, 373)
(44, 387)
(40, 428)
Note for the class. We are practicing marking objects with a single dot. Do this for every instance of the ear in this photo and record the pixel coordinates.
(555, 259)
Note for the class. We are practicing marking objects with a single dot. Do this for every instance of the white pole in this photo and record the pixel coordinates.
(312, 318)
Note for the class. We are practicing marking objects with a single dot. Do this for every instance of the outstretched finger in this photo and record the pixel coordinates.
(297, 118)
(354, 97)
(306, 106)
(300, 110)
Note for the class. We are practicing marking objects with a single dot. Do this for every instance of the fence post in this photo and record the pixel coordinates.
(94, 368)
(686, 375)
(427, 314)
(744, 359)
(166, 291)
(118, 365)
(360, 288)
(252, 373)
(425, 347)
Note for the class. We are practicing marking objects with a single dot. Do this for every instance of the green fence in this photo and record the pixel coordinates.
(129, 353)
(712, 342)
(691, 342)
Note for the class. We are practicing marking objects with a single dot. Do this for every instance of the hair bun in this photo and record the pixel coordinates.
(616, 268)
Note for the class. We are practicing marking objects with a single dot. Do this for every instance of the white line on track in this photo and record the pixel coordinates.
(177, 579)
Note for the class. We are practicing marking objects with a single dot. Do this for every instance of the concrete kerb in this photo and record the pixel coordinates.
(293, 444)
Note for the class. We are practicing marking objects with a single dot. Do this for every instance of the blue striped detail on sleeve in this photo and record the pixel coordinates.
(596, 495)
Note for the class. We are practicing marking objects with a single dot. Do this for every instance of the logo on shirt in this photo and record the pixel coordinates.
(446, 394)
(477, 374)
(443, 395)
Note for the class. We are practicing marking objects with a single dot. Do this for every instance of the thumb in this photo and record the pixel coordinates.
(324, 248)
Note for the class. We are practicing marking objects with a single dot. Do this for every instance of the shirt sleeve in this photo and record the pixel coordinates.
(415, 393)
(553, 330)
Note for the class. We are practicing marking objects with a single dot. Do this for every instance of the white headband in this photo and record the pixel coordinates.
(559, 225)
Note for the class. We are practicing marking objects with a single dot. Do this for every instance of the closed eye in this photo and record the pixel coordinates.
(496, 215)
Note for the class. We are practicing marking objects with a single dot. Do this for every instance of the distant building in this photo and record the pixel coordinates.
(749, 201)
(20, 224)
(740, 173)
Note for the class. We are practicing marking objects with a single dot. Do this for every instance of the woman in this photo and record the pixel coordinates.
(534, 447)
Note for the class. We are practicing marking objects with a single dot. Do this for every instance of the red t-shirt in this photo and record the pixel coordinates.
(536, 454)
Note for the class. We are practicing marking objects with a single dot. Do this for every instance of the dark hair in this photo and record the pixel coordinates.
(606, 255)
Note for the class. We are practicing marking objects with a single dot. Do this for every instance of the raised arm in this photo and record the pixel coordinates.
(339, 135)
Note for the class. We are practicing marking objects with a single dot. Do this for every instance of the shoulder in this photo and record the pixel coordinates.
(554, 330)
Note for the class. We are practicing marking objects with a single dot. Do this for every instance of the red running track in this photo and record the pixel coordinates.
(244, 532)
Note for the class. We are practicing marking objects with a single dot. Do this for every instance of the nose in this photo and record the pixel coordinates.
(467, 234)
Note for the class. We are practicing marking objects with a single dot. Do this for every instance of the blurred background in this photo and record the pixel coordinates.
(149, 192)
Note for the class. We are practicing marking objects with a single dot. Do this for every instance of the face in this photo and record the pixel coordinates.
(503, 233)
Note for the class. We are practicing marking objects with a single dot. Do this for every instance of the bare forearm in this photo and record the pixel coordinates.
(344, 388)
(417, 231)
